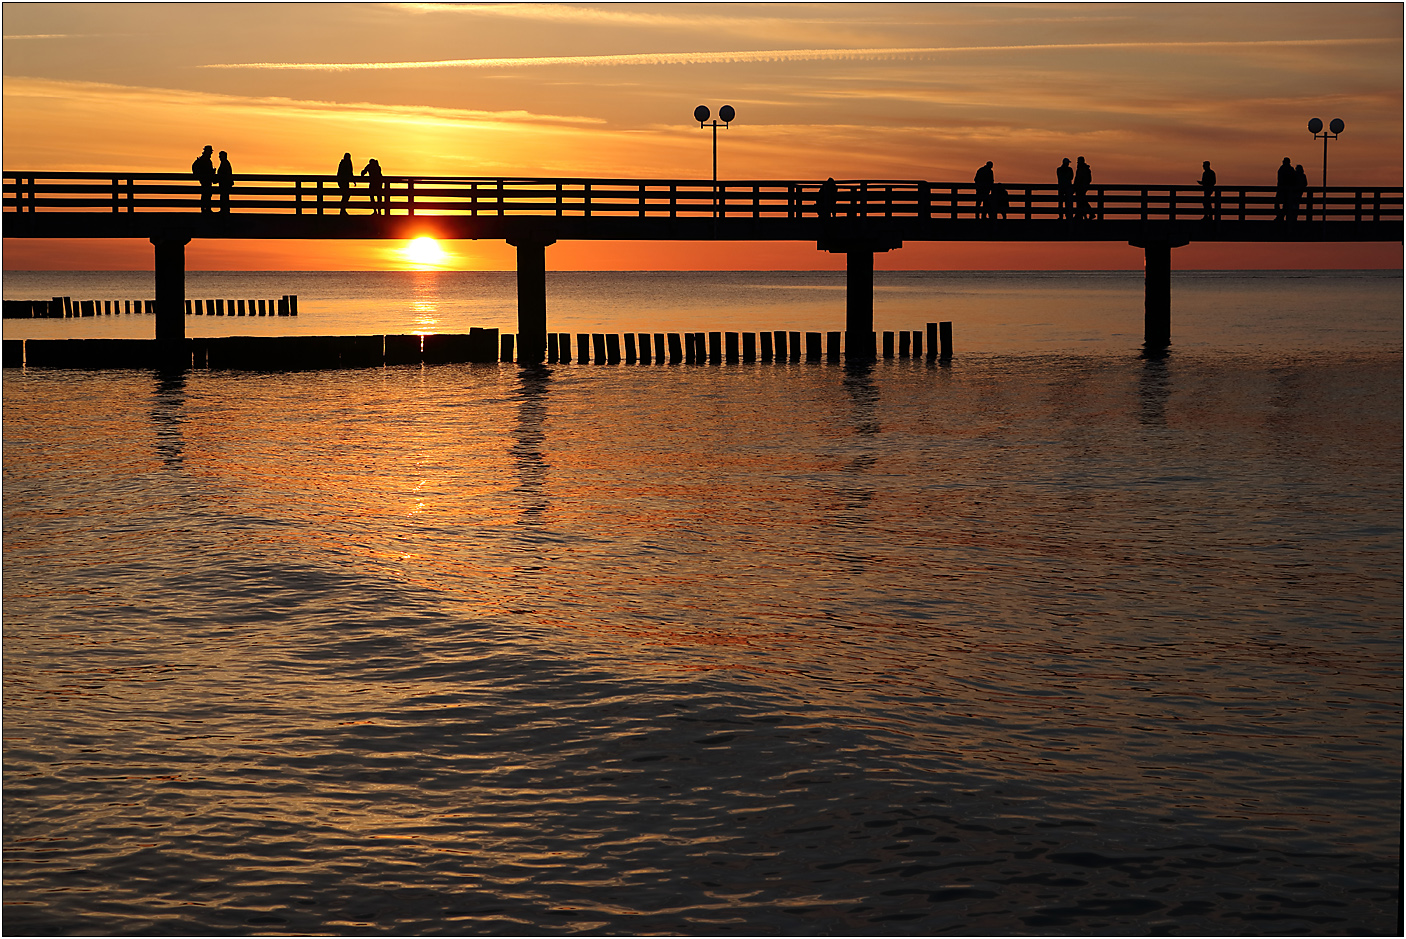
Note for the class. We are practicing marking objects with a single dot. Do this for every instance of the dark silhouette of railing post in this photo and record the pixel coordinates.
(1157, 292)
(531, 297)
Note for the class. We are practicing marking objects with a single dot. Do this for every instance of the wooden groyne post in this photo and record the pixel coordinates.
(939, 342)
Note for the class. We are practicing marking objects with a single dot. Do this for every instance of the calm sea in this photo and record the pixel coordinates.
(1052, 639)
(1020, 312)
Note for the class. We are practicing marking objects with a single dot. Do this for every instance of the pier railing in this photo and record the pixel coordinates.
(29, 192)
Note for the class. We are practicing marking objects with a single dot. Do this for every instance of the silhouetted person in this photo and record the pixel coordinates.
(1083, 179)
(1064, 175)
(225, 177)
(1208, 190)
(985, 178)
(204, 170)
(1301, 187)
(345, 176)
(373, 169)
(1283, 189)
(998, 202)
(825, 199)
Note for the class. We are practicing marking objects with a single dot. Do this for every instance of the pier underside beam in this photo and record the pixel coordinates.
(532, 298)
(170, 286)
(1157, 292)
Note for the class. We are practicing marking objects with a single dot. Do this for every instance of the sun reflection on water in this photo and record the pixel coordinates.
(425, 301)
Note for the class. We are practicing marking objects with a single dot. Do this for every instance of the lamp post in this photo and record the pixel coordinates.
(1334, 128)
(728, 115)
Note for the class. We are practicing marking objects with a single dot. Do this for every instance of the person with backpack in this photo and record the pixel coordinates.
(204, 170)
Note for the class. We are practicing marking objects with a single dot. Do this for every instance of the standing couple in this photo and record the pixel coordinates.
(1074, 183)
(346, 179)
(1291, 182)
(205, 171)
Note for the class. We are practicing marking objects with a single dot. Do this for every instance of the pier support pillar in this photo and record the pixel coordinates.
(1157, 292)
(531, 299)
(859, 304)
(170, 286)
(859, 289)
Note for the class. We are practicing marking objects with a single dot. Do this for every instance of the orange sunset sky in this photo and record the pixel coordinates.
(900, 91)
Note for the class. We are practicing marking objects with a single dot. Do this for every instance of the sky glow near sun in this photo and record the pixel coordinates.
(898, 91)
(424, 253)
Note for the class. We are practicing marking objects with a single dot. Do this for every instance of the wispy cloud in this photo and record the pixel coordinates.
(119, 97)
(747, 19)
(630, 15)
(784, 55)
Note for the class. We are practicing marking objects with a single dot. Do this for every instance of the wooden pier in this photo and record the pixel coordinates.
(868, 217)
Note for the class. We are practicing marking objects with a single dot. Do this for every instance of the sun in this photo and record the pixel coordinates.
(424, 252)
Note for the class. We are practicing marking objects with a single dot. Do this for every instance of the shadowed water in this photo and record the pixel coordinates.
(1032, 644)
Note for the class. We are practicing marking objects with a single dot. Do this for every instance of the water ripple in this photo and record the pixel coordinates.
(1035, 644)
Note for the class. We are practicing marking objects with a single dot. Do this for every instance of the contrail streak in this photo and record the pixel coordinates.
(775, 55)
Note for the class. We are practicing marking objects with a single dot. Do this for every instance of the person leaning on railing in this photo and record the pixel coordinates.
(373, 170)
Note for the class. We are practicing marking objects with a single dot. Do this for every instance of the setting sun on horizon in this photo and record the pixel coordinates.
(871, 91)
(424, 253)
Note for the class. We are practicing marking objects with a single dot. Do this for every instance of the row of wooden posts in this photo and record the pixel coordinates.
(777, 346)
(280, 353)
(67, 307)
